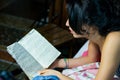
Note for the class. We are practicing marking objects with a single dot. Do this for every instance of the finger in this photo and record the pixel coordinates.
(42, 71)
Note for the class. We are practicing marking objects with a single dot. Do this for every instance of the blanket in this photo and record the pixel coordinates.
(85, 72)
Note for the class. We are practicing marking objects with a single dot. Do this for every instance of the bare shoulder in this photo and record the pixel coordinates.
(113, 36)
(110, 55)
(113, 40)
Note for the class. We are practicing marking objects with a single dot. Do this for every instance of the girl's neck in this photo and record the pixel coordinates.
(99, 40)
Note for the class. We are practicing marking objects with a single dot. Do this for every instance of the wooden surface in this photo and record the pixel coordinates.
(4, 54)
(55, 35)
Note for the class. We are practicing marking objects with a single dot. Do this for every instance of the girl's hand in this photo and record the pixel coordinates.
(55, 73)
(49, 72)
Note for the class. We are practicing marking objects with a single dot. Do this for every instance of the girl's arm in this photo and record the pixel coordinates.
(110, 59)
(93, 56)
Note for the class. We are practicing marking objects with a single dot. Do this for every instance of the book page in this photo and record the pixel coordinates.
(33, 53)
(39, 48)
(28, 64)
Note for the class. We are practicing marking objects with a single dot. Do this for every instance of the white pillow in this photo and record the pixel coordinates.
(82, 49)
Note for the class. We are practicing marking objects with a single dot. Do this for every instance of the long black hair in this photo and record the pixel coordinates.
(99, 13)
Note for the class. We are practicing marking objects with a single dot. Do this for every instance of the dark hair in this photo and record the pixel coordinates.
(98, 13)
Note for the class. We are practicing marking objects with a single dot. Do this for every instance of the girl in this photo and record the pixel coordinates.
(98, 21)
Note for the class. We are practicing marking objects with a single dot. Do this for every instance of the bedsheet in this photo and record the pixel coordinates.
(85, 72)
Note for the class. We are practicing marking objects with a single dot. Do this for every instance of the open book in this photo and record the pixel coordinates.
(33, 53)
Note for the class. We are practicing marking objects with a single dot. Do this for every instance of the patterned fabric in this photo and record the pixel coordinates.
(85, 72)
